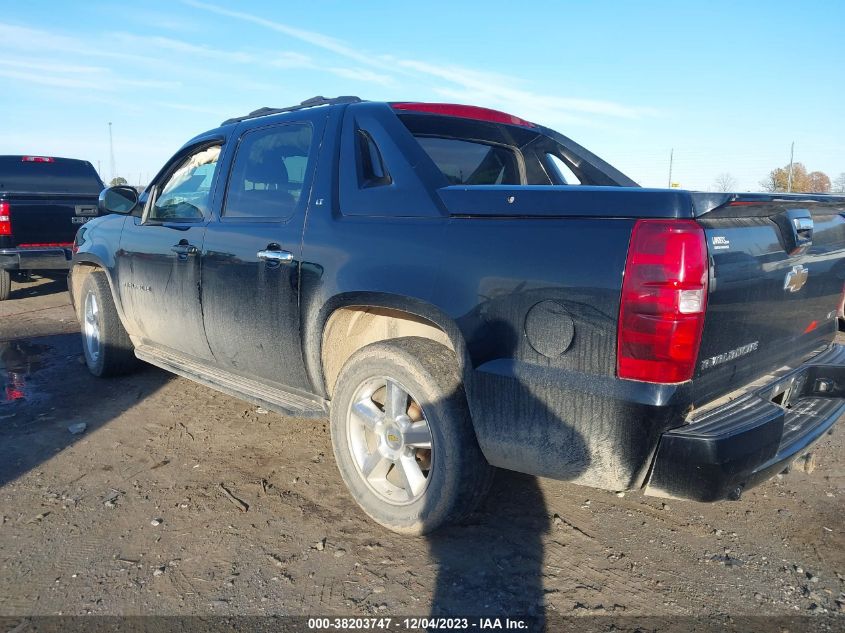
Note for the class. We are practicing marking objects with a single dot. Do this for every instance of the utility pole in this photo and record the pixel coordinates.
(111, 154)
(671, 160)
(789, 176)
(99, 171)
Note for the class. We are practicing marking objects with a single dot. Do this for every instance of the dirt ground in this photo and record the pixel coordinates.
(130, 516)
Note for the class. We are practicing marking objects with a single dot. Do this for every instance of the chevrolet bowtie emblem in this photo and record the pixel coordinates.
(796, 278)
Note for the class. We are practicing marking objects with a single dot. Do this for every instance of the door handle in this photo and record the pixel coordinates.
(184, 249)
(275, 256)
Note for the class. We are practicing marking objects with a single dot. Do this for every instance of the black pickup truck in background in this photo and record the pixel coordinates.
(43, 201)
(461, 289)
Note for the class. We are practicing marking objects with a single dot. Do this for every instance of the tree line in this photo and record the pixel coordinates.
(778, 181)
(802, 181)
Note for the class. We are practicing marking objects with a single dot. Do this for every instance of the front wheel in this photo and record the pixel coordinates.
(403, 437)
(105, 343)
(5, 284)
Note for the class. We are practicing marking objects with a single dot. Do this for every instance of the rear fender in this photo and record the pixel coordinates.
(313, 330)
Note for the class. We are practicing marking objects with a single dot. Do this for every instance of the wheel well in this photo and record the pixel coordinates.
(80, 271)
(351, 328)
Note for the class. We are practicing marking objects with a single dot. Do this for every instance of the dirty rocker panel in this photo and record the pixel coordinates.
(267, 396)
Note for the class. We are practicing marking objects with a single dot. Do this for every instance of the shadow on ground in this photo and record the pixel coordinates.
(494, 566)
(38, 285)
(46, 390)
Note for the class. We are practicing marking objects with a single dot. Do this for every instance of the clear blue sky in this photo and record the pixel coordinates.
(728, 85)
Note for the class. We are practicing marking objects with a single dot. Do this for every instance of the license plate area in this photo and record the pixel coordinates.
(86, 210)
(788, 389)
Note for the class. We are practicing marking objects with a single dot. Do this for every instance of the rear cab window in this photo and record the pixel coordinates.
(471, 152)
(466, 162)
(21, 174)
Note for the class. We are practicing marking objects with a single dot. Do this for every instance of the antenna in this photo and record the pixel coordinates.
(111, 154)
(671, 161)
(789, 175)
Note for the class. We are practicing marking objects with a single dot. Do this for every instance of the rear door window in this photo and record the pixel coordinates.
(268, 175)
(472, 163)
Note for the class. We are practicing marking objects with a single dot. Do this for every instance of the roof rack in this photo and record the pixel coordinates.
(308, 103)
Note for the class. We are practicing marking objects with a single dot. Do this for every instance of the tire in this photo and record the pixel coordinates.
(5, 284)
(105, 343)
(369, 434)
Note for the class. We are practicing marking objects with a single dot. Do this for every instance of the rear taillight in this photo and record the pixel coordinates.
(5, 219)
(664, 295)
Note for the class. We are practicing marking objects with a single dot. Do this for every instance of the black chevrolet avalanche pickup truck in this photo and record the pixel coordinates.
(43, 201)
(460, 290)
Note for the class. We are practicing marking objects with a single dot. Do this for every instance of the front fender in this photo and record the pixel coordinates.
(97, 244)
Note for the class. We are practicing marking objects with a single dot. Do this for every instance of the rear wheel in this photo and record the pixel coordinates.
(105, 343)
(5, 284)
(403, 438)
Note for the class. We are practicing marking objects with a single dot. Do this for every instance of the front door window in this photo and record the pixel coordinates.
(185, 194)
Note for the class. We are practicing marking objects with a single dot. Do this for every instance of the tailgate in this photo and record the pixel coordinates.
(49, 219)
(776, 280)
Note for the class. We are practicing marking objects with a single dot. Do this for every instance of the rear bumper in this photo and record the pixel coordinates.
(40, 258)
(596, 431)
(744, 442)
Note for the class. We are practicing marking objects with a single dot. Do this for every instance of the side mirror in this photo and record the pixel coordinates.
(120, 199)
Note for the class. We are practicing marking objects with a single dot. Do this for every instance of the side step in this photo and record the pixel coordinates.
(272, 398)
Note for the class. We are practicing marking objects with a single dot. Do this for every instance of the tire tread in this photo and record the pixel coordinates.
(5, 284)
(117, 355)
